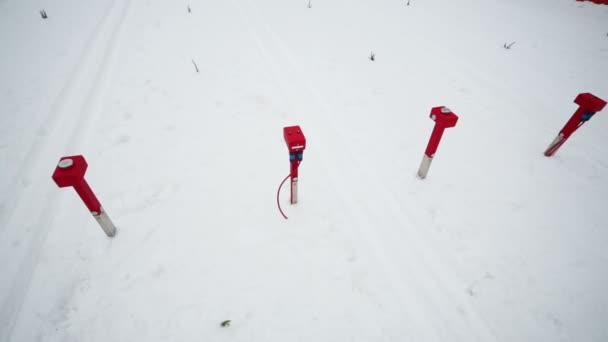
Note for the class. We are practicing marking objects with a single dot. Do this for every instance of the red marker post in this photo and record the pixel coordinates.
(70, 172)
(444, 118)
(296, 143)
(589, 104)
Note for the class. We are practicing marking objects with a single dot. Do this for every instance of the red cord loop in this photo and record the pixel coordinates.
(278, 193)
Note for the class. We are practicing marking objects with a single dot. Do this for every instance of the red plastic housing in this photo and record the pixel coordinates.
(444, 118)
(599, 2)
(71, 173)
(590, 102)
(587, 103)
(294, 138)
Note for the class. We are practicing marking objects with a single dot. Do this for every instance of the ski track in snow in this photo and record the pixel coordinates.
(59, 120)
(428, 288)
(68, 120)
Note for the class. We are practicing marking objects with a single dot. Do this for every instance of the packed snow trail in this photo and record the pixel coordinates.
(68, 119)
(417, 285)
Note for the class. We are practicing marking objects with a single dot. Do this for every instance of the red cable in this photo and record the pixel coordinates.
(278, 192)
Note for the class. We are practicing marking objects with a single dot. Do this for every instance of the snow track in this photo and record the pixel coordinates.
(414, 274)
(69, 119)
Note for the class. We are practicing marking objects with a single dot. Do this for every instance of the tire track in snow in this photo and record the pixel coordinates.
(66, 122)
(425, 278)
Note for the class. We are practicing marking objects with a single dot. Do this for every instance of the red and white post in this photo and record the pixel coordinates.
(70, 172)
(444, 118)
(296, 143)
(589, 104)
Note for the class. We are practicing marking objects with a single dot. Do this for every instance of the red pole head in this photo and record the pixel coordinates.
(70, 171)
(296, 144)
(589, 102)
(443, 117)
(294, 138)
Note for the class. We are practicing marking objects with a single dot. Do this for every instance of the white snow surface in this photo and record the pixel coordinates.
(498, 243)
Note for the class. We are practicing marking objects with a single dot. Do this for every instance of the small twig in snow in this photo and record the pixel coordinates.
(372, 56)
(189, 10)
(508, 46)
(43, 14)
(309, 3)
(471, 289)
(195, 66)
(226, 323)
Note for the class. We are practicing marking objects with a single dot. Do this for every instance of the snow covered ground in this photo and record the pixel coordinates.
(499, 243)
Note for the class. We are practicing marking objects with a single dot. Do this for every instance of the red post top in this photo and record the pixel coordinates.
(70, 171)
(294, 138)
(443, 117)
(599, 2)
(590, 102)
